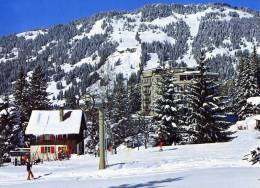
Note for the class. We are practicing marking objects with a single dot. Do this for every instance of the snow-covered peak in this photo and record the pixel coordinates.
(31, 35)
(141, 39)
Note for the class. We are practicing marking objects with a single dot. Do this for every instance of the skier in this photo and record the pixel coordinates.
(29, 169)
(115, 151)
(161, 143)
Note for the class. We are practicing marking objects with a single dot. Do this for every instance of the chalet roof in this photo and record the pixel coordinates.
(48, 122)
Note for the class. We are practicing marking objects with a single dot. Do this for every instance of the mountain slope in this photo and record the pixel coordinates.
(78, 55)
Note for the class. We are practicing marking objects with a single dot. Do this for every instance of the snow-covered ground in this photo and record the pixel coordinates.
(203, 165)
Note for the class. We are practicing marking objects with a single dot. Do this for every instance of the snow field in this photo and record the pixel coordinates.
(202, 165)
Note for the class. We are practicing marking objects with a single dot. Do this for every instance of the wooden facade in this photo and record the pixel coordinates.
(57, 134)
(72, 141)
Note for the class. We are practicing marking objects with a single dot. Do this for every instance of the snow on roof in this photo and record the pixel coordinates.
(254, 101)
(48, 122)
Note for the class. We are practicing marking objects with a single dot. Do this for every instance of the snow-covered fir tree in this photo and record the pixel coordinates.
(21, 97)
(10, 129)
(71, 102)
(255, 61)
(37, 90)
(134, 94)
(120, 113)
(166, 109)
(237, 86)
(246, 87)
(91, 134)
(183, 113)
(206, 122)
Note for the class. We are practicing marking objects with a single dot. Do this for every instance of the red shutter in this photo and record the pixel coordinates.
(52, 137)
(42, 149)
(52, 149)
(59, 137)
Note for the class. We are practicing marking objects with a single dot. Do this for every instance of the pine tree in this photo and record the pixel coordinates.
(137, 37)
(91, 134)
(246, 87)
(71, 102)
(119, 111)
(237, 88)
(10, 130)
(166, 110)
(21, 97)
(183, 113)
(205, 122)
(134, 94)
(37, 91)
(255, 61)
(120, 101)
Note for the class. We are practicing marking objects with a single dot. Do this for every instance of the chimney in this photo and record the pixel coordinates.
(61, 113)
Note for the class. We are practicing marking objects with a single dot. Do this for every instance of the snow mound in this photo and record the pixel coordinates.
(247, 124)
(254, 101)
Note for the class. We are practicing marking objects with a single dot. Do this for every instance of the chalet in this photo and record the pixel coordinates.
(54, 132)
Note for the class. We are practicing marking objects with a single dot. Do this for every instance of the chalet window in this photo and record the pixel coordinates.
(41, 137)
(47, 149)
(47, 137)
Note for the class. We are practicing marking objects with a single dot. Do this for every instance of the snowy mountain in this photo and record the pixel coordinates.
(77, 56)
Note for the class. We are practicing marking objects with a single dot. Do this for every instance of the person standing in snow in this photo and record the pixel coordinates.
(29, 169)
(161, 143)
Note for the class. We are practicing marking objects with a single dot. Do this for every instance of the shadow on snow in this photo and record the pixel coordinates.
(150, 184)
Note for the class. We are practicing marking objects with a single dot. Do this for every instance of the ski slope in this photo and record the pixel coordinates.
(204, 165)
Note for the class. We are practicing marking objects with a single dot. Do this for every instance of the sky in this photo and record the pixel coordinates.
(23, 15)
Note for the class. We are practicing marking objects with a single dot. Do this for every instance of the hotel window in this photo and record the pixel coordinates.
(182, 77)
